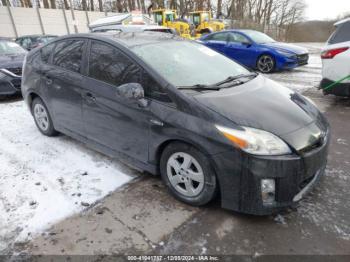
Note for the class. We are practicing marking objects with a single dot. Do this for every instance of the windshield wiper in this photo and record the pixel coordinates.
(233, 78)
(200, 87)
(217, 85)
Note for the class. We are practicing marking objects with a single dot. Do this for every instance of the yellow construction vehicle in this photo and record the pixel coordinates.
(204, 23)
(168, 18)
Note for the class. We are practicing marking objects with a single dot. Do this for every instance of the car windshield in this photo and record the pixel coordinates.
(258, 37)
(184, 63)
(9, 48)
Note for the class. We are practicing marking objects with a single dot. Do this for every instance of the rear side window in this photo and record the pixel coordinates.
(68, 54)
(342, 34)
(108, 64)
(46, 52)
(26, 42)
(218, 37)
(237, 38)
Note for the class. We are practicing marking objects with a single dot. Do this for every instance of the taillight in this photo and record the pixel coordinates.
(329, 54)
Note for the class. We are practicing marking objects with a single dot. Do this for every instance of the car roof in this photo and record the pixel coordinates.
(38, 35)
(129, 28)
(129, 39)
(6, 39)
(236, 30)
(242, 30)
(117, 19)
(342, 21)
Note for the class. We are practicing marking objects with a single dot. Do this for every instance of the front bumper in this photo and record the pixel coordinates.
(340, 89)
(294, 175)
(10, 84)
(293, 62)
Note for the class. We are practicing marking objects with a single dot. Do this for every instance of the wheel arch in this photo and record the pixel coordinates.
(30, 98)
(197, 146)
(166, 143)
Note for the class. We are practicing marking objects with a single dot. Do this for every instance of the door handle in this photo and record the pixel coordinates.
(156, 122)
(48, 81)
(90, 97)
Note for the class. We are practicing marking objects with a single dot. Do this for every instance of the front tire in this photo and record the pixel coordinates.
(188, 174)
(266, 64)
(42, 118)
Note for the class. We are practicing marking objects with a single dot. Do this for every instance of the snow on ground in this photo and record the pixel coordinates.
(302, 78)
(43, 180)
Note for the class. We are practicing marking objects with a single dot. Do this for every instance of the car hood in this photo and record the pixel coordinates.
(287, 47)
(10, 61)
(264, 104)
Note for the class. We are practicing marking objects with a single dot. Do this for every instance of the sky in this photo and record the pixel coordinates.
(326, 9)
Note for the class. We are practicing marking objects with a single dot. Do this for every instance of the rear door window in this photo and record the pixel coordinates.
(46, 52)
(108, 64)
(218, 37)
(342, 34)
(68, 55)
(237, 38)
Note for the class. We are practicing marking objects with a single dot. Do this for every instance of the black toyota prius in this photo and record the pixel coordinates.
(176, 108)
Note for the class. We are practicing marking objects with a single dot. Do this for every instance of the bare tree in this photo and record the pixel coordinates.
(46, 4)
(52, 4)
(219, 9)
(92, 8)
(65, 3)
(100, 6)
(143, 6)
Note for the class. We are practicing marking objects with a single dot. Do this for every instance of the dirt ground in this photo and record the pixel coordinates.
(142, 218)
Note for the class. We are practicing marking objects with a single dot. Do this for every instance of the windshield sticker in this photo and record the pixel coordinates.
(207, 51)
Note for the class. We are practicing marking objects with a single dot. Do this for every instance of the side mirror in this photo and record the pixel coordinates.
(247, 43)
(132, 91)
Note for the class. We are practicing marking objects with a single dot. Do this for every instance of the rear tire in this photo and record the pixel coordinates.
(42, 118)
(188, 174)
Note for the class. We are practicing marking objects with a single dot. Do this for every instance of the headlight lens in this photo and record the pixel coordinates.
(255, 141)
(285, 53)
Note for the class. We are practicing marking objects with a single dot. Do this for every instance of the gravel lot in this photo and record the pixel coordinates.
(59, 197)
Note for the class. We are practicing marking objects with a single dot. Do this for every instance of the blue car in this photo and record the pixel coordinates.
(256, 50)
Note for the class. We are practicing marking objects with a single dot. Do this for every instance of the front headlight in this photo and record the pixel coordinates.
(255, 141)
(285, 53)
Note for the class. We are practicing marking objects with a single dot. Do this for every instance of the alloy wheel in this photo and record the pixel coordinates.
(185, 174)
(266, 64)
(41, 117)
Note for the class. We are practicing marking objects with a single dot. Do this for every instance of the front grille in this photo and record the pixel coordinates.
(303, 59)
(15, 70)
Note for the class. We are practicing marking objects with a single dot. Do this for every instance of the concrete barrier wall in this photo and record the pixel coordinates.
(27, 21)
